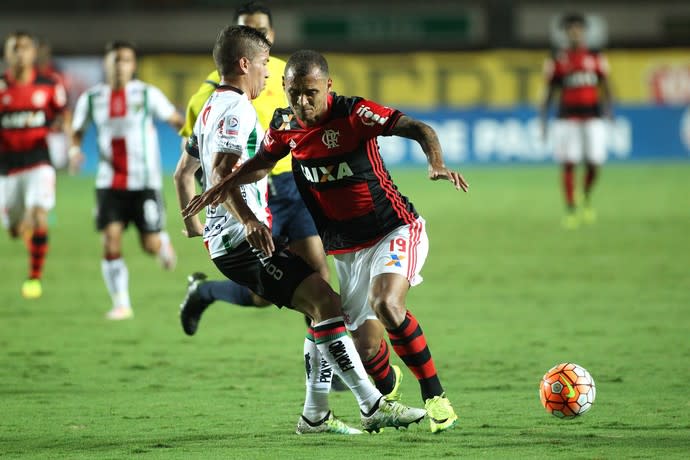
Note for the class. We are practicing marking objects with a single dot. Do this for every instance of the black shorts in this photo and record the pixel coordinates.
(143, 207)
(275, 279)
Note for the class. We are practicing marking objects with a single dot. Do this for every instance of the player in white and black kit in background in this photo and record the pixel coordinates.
(227, 134)
(129, 178)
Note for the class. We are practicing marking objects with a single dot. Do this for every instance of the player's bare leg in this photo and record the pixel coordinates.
(115, 273)
(373, 349)
(387, 295)
(158, 244)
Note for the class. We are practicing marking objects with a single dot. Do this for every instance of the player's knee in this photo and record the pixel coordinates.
(326, 303)
(389, 309)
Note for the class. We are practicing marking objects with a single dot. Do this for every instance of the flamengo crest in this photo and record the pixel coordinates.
(330, 138)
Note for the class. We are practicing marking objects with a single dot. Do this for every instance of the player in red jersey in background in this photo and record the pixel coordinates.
(581, 76)
(376, 236)
(30, 104)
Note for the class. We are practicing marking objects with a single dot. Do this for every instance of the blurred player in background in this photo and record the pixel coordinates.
(291, 219)
(226, 135)
(581, 77)
(30, 105)
(377, 238)
(129, 179)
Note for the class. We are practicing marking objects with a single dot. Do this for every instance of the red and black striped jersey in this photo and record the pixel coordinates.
(340, 173)
(27, 111)
(578, 73)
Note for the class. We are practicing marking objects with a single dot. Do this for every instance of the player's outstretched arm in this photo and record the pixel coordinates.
(428, 140)
(253, 170)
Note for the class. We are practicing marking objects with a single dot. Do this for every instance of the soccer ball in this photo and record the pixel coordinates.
(567, 390)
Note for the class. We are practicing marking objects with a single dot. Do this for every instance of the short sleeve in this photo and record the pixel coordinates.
(59, 101)
(272, 146)
(370, 119)
(160, 106)
(229, 134)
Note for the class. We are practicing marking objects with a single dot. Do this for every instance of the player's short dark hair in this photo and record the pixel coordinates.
(571, 19)
(115, 45)
(254, 8)
(302, 62)
(235, 42)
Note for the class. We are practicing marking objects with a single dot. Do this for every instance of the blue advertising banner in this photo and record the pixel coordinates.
(495, 136)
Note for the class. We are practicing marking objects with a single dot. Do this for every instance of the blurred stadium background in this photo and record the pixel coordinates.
(471, 69)
(507, 294)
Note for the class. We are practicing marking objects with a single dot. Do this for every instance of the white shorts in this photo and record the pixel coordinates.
(577, 140)
(33, 188)
(403, 251)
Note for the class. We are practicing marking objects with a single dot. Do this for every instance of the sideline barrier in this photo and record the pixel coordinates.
(496, 136)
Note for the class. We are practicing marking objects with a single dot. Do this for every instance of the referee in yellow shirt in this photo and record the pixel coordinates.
(291, 219)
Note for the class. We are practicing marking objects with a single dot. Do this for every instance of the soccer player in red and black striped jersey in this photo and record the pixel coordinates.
(30, 104)
(581, 76)
(375, 234)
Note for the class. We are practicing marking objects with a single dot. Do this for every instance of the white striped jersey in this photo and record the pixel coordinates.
(128, 149)
(228, 125)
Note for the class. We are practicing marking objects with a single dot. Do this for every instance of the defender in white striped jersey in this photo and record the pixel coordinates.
(129, 178)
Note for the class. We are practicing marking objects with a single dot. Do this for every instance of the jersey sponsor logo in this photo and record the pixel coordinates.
(321, 174)
(232, 126)
(340, 355)
(369, 118)
(24, 119)
(39, 98)
(580, 79)
(330, 138)
(271, 269)
(285, 125)
(395, 260)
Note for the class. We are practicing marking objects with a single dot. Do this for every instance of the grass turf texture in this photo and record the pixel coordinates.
(507, 294)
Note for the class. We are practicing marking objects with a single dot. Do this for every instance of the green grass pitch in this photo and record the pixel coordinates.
(507, 294)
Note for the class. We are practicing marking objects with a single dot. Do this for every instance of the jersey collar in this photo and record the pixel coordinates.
(221, 88)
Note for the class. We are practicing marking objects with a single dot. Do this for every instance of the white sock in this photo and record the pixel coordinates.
(116, 279)
(318, 382)
(337, 348)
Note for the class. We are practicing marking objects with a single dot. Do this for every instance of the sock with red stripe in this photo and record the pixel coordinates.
(379, 369)
(337, 348)
(569, 185)
(38, 248)
(590, 178)
(410, 344)
(318, 382)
